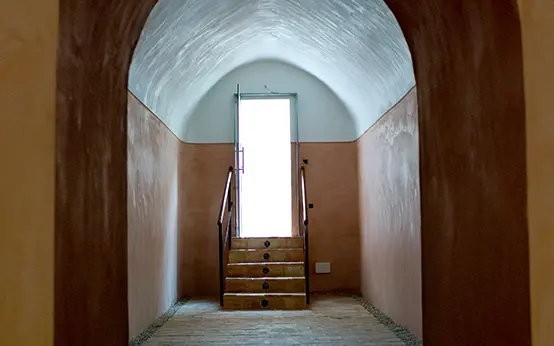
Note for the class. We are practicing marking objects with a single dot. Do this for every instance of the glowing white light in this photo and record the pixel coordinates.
(266, 197)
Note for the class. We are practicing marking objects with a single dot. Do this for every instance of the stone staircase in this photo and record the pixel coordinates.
(265, 274)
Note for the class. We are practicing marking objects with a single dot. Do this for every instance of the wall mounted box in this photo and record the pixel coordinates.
(323, 268)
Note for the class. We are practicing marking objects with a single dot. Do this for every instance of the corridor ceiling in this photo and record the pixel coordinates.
(355, 47)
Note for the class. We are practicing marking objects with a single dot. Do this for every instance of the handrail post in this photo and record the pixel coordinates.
(226, 203)
(230, 199)
(307, 262)
(221, 278)
(228, 234)
(305, 232)
(230, 212)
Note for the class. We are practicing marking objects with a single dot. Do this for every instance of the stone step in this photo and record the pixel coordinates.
(268, 243)
(264, 269)
(266, 255)
(264, 301)
(265, 284)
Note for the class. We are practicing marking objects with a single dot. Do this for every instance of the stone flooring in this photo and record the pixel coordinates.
(331, 321)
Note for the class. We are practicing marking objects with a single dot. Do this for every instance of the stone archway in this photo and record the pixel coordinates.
(468, 65)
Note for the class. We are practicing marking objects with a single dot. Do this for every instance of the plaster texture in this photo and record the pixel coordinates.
(390, 221)
(28, 37)
(322, 116)
(355, 47)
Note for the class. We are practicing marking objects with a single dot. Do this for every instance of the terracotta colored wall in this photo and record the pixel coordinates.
(333, 190)
(390, 214)
(203, 170)
(538, 37)
(27, 123)
(332, 186)
(153, 216)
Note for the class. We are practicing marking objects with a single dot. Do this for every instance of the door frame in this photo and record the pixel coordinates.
(295, 139)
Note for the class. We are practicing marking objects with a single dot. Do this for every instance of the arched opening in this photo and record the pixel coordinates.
(462, 87)
(342, 88)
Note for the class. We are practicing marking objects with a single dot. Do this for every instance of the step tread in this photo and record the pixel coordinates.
(264, 294)
(268, 238)
(267, 278)
(265, 250)
(240, 264)
(276, 243)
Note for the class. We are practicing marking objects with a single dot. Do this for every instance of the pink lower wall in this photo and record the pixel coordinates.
(203, 169)
(390, 214)
(332, 187)
(153, 216)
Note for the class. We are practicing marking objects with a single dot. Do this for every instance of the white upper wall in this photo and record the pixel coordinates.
(353, 46)
(322, 115)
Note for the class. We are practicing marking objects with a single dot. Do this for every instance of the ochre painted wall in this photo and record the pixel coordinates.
(332, 187)
(537, 19)
(390, 214)
(332, 184)
(91, 295)
(153, 216)
(29, 37)
(203, 169)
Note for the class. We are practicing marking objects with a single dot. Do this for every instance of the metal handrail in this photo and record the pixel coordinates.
(304, 196)
(226, 199)
(305, 232)
(224, 240)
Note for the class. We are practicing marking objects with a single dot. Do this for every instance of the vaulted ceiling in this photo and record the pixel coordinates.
(355, 47)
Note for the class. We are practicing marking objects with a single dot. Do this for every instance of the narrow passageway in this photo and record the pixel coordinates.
(332, 320)
(412, 195)
(343, 112)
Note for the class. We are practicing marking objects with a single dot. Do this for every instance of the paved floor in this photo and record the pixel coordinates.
(331, 321)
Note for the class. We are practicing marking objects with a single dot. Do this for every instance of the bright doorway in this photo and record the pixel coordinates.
(265, 167)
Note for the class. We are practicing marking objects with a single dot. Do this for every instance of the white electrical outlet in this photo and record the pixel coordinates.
(323, 267)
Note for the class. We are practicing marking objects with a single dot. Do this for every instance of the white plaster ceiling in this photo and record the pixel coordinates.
(355, 47)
